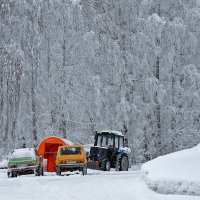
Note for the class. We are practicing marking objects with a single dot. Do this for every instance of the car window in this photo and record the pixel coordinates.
(70, 151)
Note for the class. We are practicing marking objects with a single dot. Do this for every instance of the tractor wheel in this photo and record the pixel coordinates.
(122, 163)
(105, 165)
(58, 171)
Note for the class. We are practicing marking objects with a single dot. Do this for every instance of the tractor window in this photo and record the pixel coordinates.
(121, 142)
(110, 141)
(99, 141)
(105, 141)
(102, 141)
(116, 142)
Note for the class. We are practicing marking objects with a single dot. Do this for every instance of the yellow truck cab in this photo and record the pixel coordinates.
(71, 158)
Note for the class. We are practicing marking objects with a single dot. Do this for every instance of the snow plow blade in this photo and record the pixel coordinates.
(93, 164)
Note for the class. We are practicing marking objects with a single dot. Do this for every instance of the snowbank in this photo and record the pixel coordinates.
(3, 164)
(175, 173)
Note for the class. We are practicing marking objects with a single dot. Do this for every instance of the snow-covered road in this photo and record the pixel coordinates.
(97, 185)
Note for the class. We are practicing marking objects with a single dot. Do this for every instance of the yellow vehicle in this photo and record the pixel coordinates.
(71, 158)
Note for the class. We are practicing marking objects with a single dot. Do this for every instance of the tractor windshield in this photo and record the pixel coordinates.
(105, 141)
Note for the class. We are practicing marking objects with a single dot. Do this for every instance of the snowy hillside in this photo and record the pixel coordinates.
(176, 173)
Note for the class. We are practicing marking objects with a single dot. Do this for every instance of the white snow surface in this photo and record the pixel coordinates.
(125, 149)
(67, 141)
(25, 152)
(96, 185)
(175, 173)
(112, 131)
(3, 163)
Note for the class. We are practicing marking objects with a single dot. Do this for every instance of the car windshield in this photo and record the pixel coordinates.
(22, 153)
(70, 151)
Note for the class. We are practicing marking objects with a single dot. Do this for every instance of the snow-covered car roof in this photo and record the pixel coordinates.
(25, 152)
(111, 131)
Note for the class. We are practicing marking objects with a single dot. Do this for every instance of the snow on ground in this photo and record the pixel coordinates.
(175, 173)
(96, 185)
(3, 163)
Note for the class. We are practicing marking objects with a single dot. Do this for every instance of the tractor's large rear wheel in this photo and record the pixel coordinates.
(122, 163)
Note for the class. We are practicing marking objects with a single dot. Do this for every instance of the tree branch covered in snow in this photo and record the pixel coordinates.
(70, 68)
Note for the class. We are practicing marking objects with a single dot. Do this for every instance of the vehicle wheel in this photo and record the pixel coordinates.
(37, 171)
(122, 163)
(9, 174)
(105, 165)
(84, 171)
(58, 171)
(14, 174)
(42, 171)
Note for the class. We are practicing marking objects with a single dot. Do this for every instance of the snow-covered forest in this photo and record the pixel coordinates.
(71, 67)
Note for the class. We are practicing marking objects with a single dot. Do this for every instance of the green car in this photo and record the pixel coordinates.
(24, 161)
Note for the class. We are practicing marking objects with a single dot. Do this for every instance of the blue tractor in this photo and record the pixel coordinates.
(109, 151)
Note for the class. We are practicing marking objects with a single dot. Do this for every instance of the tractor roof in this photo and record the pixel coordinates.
(112, 132)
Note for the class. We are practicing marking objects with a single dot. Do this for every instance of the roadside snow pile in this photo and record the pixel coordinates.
(3, 164)
(175, 173)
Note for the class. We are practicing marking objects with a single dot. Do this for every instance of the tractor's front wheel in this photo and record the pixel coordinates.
(105, 165)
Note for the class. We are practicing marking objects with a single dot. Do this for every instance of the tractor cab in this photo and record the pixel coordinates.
(109, 140)
(108, 151)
